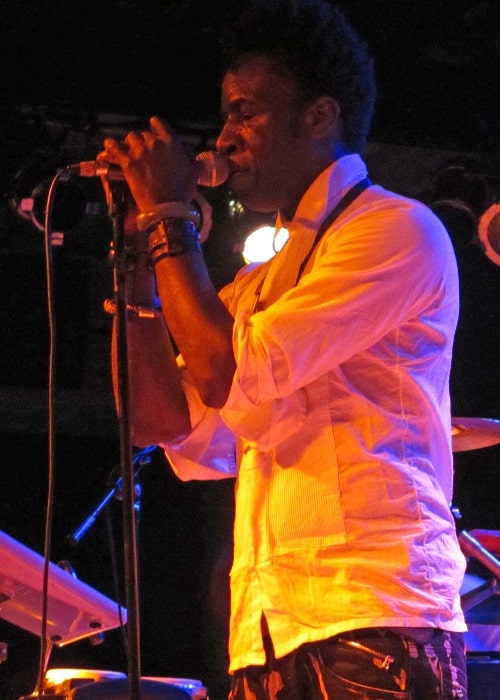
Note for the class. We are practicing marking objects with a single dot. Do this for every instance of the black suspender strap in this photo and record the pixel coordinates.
(345, 201)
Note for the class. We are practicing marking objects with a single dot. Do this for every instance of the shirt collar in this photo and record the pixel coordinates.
(324, 193)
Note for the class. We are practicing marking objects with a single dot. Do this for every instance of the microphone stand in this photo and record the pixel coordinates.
(79, 533)
(117, 212)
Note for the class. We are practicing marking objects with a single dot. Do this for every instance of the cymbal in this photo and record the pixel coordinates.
(474, 433)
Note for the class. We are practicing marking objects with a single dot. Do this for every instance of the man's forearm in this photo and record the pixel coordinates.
(157, 407)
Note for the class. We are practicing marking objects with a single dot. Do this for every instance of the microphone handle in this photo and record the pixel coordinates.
(213, 169)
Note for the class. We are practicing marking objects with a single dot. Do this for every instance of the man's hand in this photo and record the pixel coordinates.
(155, 165)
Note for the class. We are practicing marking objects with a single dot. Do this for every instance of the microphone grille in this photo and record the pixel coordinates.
(213, 168)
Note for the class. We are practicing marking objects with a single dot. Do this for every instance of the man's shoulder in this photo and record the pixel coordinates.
(379, 199)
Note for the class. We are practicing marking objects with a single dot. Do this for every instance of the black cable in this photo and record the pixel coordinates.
(45, 644)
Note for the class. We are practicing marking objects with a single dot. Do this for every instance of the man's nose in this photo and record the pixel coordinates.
(226, 141)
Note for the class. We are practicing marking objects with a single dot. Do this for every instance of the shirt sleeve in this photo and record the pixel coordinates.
(208, 451)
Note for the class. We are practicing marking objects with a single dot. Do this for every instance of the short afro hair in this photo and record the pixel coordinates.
(314, 43)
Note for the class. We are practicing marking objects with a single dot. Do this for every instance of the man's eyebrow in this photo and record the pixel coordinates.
(238, 101)
(235, 105)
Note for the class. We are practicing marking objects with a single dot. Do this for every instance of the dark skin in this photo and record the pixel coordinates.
(267, 131)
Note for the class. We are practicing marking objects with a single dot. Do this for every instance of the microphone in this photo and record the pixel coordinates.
(212, 169)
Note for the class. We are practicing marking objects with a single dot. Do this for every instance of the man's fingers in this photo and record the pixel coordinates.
(114, 150)
(149, 139)
(160, 128)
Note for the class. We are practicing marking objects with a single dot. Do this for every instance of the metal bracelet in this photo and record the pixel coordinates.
(173, 237)
(148, 220)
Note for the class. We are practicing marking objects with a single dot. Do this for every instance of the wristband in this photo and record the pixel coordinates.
(148, 220)
(171, 238)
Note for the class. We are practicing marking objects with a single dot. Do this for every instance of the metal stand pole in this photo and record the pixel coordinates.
(117, 212)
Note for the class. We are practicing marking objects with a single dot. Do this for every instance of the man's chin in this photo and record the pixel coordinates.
(254, 202)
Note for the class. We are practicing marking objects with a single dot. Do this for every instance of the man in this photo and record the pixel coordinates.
(319, 378)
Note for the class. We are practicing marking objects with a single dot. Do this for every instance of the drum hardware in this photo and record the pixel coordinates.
(479, 602)
(471, 547)
(485, 591)
(478, 595)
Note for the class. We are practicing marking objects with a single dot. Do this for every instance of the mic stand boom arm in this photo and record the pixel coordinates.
(79, 533)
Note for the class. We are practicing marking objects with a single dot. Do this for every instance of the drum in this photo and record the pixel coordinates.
(196, 689)
(62, 682)
(92, 684)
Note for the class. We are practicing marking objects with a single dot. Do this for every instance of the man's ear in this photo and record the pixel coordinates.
(323, 116)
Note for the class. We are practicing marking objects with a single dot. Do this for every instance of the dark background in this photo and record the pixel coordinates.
(74, 72)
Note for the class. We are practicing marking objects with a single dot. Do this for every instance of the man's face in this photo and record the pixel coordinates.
(265, 137)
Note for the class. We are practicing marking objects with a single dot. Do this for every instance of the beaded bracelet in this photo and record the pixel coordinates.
(140, 311)
(148, 220)
(172, 237)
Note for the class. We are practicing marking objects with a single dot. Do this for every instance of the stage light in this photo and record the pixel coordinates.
(263, 243)
(489, 233)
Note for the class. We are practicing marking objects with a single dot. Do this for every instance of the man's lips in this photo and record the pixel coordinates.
(235, 168)
(237, 172)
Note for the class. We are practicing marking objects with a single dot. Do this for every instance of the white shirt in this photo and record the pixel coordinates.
(338, 428)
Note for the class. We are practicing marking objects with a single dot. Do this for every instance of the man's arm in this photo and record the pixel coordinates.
(157, 408)
(200, 324)
(158, 170)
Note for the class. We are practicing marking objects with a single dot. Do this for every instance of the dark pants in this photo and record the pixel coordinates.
(369, 664)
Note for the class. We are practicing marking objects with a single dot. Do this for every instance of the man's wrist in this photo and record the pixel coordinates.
(171, 238)
(148, 220)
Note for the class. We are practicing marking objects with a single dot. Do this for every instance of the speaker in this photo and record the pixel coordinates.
(483, 675)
